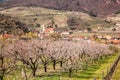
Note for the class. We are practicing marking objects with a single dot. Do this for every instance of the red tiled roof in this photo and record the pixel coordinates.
(6, 35)
(114, 41)
(81, 37)
(49, 30)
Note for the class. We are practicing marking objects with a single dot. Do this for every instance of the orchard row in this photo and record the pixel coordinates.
(33, 53)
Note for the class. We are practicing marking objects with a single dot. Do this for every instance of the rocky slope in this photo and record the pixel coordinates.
(93, 7)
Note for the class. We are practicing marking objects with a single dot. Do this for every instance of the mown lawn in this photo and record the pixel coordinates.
(116, 74)
(96, 70)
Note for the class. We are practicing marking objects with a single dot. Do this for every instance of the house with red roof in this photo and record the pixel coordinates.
(115, 41)
(6, 36)
(49, 30)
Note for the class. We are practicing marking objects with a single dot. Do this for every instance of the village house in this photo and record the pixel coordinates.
(65, 33)
(76, 38)
(49, 30)
(108, 37)
(6, 36)
(45, 31)
(115, 41)
(86, 31)
(118, 24)
(94, 30)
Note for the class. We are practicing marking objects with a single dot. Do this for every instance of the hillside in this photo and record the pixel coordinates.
(11, 25)
(37, 16)
(93, 7)
(115, 18)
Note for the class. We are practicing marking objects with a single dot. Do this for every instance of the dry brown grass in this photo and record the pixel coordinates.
(38, 15)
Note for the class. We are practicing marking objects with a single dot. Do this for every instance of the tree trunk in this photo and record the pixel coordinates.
(3, 70)
(61, 63)
(24, 75)
(2, 75)
(34, 71)
(70, 72)
(54, 64)
(45, 67)
(86, 65)
(34, 66)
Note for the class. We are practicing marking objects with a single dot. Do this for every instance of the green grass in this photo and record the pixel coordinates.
(92, 71)
(116, 75)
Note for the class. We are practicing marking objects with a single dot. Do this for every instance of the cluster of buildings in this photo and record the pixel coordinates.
(45, 32)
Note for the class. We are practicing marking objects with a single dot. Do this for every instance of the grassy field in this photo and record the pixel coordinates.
(116, 75)
(96, 70)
